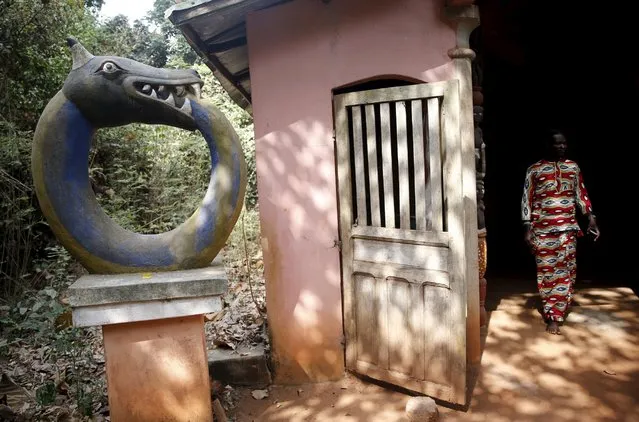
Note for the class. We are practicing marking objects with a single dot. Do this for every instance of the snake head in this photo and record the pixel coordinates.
(115, 91)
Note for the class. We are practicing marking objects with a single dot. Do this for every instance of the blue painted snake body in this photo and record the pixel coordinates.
(103, 91)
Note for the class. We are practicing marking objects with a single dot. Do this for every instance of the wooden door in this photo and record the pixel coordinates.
(399, 161)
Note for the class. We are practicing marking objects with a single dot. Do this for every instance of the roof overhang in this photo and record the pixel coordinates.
(216, 30)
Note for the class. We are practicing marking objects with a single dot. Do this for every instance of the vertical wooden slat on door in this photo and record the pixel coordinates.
(344, 147)
(387, 165)
(358, 147)
(373, 180)
(419, 165)
(402, 164)
(434, 155)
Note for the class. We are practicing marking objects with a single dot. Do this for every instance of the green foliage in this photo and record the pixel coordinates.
(242, 122)
(33, 314)
(116, 37)
(178, 46)
(45, 394)
(33, 54)
(94, 5)
(153, 40)
(21, 235)
(149, 178)
(39, 322)
(156, 17)
(248, 224)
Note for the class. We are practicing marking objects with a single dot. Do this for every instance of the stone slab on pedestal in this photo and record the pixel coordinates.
(154, 340)
(119, 298)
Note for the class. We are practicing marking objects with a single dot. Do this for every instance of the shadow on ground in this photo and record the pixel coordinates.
(590, 373)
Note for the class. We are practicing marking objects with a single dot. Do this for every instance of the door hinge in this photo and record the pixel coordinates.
(337, 244)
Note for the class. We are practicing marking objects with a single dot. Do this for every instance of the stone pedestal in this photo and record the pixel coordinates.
(154, 343)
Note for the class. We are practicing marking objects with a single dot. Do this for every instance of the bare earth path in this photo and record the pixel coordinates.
(590, 373)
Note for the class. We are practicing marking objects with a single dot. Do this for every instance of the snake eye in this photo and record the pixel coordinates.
(109, 67)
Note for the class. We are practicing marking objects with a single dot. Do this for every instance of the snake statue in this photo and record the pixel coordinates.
(107, 91)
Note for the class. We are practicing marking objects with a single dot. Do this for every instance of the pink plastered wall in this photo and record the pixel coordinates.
(299, 52)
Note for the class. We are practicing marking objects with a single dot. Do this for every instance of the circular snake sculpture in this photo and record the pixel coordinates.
(105, 91)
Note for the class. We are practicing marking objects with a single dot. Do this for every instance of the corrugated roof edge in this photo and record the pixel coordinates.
(181, 13)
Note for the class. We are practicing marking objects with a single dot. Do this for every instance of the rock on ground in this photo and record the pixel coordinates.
(422, 409)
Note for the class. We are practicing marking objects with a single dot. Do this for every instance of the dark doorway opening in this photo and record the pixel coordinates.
(564, 65)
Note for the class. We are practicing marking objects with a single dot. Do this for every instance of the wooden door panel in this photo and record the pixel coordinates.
(410, 274)
(368, 316)
(403, 254)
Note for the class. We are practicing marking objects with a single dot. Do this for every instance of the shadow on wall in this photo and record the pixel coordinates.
(526, 374)
(301, 257)
(298, 206)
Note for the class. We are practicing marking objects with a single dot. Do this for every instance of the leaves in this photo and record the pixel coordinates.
(46, 393)
(33, 54)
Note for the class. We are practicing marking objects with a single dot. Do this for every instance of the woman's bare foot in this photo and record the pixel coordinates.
(553, 328)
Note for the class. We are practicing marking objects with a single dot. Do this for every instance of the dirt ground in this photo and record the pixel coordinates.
(590, 373)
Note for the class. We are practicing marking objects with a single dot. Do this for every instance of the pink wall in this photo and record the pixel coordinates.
(298, 53)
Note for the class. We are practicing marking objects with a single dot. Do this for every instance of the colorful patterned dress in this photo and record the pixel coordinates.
(552, 192)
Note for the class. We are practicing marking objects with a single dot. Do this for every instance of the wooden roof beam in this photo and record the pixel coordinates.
(218, 47)
(199, 46)
(242, 75)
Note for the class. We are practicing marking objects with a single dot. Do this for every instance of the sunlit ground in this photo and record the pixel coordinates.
(590, 373)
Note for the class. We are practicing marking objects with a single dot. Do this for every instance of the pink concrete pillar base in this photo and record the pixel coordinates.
(154, 345)
(158, 370)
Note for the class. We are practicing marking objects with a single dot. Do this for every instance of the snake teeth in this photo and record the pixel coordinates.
(186, 107)
(173, 95)
(170, 99)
